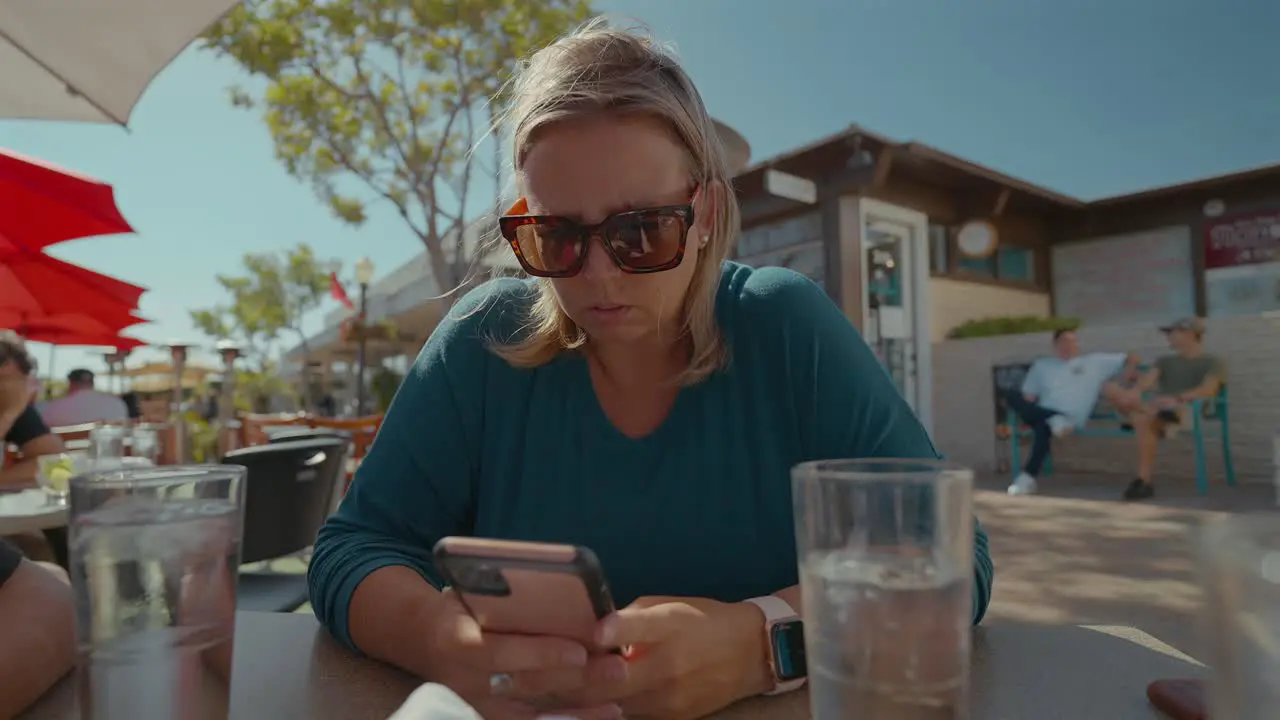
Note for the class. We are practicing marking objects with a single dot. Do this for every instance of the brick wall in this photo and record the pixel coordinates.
(964, 418)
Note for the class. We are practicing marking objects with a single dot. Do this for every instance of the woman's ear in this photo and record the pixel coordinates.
(706, 209)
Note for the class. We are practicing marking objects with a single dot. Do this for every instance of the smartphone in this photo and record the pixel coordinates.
(527, 588)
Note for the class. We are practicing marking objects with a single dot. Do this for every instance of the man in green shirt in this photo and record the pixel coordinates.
(1175, 380)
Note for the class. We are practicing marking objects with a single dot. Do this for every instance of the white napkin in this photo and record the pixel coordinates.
(435, 702)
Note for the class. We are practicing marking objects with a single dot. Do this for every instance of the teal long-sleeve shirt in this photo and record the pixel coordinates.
(699, 508)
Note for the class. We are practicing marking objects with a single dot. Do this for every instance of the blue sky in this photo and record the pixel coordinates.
(1088, 97)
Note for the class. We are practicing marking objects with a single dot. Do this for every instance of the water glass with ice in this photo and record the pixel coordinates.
(155, 554)
(886, 567)
(106, 444)
(144, 443)
(1239, 561)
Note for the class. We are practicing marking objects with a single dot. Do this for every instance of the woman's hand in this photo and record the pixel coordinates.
(687, 657)
(514, 677)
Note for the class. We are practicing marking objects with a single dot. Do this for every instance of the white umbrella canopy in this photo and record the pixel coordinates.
(91, 60)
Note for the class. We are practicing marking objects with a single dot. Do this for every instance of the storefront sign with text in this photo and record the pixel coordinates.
(1242, 240)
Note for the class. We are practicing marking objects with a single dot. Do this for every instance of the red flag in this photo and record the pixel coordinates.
(339, 293)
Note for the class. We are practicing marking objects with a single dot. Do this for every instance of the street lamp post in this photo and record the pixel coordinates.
(364, 276)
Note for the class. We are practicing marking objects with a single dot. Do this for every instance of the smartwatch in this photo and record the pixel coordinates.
(784, 634)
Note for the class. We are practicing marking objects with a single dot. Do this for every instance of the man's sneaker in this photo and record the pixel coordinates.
(1024, 484)
(1060, 425)
(1139, 489)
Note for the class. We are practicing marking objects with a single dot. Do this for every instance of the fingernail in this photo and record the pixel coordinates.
(575, 656)
(607, 632)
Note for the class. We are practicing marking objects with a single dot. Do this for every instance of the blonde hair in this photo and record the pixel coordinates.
(602, 69)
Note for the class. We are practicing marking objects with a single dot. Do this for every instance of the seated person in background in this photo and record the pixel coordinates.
(20, 424)
(82, 404)
(1188, 374)
(37, 629)
(1058, 395)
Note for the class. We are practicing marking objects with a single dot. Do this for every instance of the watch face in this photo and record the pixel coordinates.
(788, 651)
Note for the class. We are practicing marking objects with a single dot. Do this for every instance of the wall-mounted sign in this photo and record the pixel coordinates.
(1242, 264)
(791, 187)
(1214, 208)
(1242, 240)
(977, 239)
(1143, 277)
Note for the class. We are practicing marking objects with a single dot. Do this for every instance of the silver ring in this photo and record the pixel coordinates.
(501, 684)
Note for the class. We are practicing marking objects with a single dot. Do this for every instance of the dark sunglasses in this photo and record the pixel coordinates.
(640, 241)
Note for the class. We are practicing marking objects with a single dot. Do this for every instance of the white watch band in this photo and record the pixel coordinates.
(776, 610)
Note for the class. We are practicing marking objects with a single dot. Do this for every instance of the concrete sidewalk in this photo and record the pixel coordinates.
(1067, 556)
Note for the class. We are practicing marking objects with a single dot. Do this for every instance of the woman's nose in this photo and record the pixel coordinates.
(599, 263)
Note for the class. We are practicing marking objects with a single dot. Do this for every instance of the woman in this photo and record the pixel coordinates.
(641, 396)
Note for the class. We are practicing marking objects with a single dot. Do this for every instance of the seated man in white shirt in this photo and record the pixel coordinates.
(82, 404)
(1058, 395)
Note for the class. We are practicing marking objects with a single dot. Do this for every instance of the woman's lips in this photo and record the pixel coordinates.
(609, 312)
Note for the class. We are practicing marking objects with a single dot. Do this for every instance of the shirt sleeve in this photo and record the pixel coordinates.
(1031, 383)
(10, 559)
(415, 486)
(1108, 364)
(27, 427)
(849, 404)
(1218, 368)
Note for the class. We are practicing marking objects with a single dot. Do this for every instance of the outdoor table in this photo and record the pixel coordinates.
(287, 668)
(29, 510)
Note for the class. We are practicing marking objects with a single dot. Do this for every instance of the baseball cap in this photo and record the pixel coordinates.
(1190, 324)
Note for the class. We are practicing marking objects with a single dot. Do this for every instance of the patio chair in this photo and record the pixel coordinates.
(289, 493)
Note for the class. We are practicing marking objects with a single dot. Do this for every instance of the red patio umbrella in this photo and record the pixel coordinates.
(119, 342)
(34, 286)
(44, 204)
(63, 329)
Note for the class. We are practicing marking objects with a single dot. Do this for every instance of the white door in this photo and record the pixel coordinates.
(895, 303)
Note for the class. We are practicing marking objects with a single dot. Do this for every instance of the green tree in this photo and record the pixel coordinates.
(269, 300)
(385, 99)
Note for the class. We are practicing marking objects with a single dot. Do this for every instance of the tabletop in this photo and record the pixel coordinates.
(29, 510)
(287, 668)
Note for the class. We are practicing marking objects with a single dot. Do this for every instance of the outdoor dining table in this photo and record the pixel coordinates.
(287, 668)
(28, 511)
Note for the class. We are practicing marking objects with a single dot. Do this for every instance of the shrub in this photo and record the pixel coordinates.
(1012, 325)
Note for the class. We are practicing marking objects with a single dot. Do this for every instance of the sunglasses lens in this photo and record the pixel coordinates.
(645, 240)
(550, 248)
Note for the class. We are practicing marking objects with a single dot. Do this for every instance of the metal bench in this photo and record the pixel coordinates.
(1104, 422)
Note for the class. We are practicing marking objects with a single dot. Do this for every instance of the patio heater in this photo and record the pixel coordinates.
(114, 361)
(364, 276)
(229, 352)
(178, 354)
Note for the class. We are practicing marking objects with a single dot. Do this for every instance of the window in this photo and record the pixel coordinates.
(939, 249)
(1016, 264)
(1008, 263)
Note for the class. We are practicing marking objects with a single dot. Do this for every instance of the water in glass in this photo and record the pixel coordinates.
(887, 638)
(155, 598)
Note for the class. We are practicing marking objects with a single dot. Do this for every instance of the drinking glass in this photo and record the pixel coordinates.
(155, 554)
(106, 443)
(54, 473)
(145, 443)
(886, 565)
(1239, 561)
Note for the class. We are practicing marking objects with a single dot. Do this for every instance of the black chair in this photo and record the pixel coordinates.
(289, 493)
(295, 434)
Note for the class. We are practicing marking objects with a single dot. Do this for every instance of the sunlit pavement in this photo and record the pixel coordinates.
(1077, 554)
